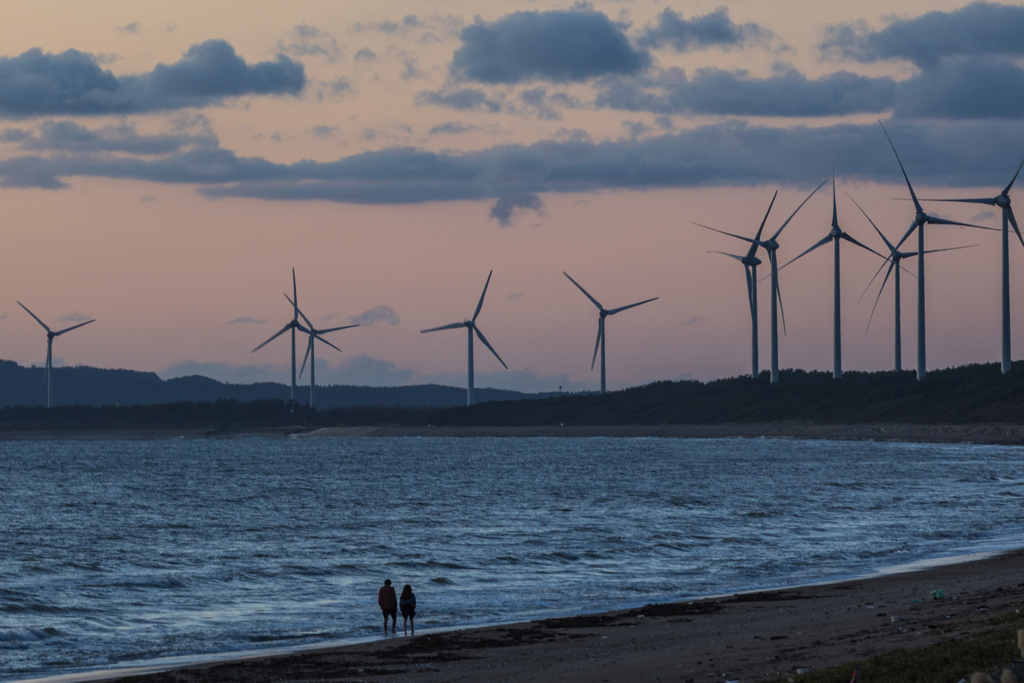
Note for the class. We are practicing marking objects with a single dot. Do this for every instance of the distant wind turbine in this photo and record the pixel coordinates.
(920, 220)
(314, 334)
(894, 261)
(471, 327)
(771, 245)
(600, 326)
(1002, 200)
(835, 236)
(750, 263)
(292, 325)
(50, 334)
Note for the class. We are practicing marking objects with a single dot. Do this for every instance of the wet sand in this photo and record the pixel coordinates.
(1012, 435)
(747, 637)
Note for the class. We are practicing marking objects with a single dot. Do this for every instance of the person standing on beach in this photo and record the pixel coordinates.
(407, 604)
(388, 605)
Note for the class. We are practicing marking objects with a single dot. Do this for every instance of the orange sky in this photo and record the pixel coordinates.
(165, 270)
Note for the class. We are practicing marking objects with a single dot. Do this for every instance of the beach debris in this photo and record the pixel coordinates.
(938, 594)
(640, 616)
(978, 677)
(801, 671)
(894, 619)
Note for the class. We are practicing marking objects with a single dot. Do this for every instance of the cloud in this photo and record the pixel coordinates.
(324, 132)
(980, 28)
(544, 106)
(963, 88)
(452, 128)
(516, 295)
(958, 153)
(73, 318)
(133, 27)
(67, 136)
(245, 321)
(981, 216)
(412, 69)
(508, 207)
(233, 374)
(714, 29)
(716, 91)
(309, 41)
(693, 321)
(462, 99)
(560, 46)
(366, 55)
(72, 83)
(431, 25)
(382, 314)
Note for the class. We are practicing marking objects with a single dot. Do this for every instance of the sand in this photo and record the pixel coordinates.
(760, 636)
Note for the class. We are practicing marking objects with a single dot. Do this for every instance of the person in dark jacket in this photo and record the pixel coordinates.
(407, 603)
(388, 605)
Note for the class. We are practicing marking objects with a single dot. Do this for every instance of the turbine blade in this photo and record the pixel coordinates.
(990, 202)
(597, 344)
(723, 232)
(935, 251)
(317, 336)
(738, 258)
(34, 316)
(783, 226)
(887, 242)
(943, 221)
(875, 276)
(1013, 222)
(335, 329)
(443, 327)
(778, 290)
(1006, 190)
(592, 299)
(750, 288)
(880, 290)
(295, 296)
(765, 219)
(309, 346)
(73, 327)
(623, 308)
(917, 204)
(851, 240)
(482, 295)
(283, 330)
(299, 311)
(488, 345)
(913, 226)
(820, 243)
(835, 218)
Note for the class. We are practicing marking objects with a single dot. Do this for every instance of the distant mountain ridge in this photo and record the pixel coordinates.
(84, 385)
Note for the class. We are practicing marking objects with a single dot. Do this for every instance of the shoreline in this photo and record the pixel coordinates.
(996, 434)
(757, 635)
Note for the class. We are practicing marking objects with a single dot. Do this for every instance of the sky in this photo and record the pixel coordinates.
(164, 166)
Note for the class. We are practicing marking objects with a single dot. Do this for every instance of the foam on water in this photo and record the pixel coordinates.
(116, 553)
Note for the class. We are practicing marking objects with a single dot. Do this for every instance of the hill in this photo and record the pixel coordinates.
(83, 385)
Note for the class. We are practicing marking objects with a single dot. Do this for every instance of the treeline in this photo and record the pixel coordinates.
(963, 395)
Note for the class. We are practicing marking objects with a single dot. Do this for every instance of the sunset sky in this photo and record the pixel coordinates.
(164, 166)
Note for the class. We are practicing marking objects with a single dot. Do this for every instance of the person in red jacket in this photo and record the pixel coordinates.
(388, 604)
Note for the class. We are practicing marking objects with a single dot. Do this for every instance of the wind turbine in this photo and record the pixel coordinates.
(600, 326)
(1002, 200)
(292, 325)
(894, 260)
(471, 327)
(750, 263)
(50, 334)
(771, 245)
(920, 220)
(835, 236)
(314, 334)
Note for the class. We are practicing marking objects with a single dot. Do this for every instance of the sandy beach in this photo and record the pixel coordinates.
(1009, 435)
(764, 636)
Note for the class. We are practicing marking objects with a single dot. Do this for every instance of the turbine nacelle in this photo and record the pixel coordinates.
(835, 232)
(1003, 200)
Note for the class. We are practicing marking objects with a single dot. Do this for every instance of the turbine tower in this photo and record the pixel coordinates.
(894, 260)
(314, 334)
(835, 236)
(50, 334)
(920, 220)
(750, 263)
(600, 326)
(1002, 200)
(292, 325)
(771, 245)
(471, 327)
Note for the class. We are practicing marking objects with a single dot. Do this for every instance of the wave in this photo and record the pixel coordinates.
(29, 635)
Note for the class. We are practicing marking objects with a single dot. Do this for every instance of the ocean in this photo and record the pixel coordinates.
(120, 553)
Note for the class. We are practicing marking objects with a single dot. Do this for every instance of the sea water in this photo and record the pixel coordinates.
(123, 552)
